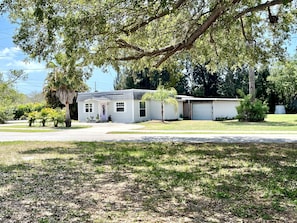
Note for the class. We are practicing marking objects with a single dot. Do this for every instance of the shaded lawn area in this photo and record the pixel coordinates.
(141, 182)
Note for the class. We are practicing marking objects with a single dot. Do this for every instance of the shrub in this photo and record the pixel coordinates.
(6, 113)
(226, 118)
(251, 111)
(292, 107)
(21, 111)
(2, 117)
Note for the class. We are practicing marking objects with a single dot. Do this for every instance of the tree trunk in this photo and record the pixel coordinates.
(68, 118)
(252, 85)
(162, 110)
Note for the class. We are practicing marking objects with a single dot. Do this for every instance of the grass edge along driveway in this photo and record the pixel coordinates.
(149, 182)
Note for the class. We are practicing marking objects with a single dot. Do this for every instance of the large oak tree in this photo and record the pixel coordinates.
(156, 32)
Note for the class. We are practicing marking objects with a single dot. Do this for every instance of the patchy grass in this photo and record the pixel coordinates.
(272, 123)
(157, 182)
(23, 127)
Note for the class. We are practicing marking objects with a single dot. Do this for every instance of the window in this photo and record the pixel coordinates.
(88, 107)
(142, 109)
(120, 107)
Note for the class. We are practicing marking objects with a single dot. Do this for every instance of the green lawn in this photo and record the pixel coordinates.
(156, 182)
(271, 123)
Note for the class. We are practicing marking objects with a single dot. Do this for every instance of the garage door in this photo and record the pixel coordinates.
(202, 111)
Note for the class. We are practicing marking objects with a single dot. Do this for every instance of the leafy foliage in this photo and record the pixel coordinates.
(21, 111)
(203, 83)
(57, 116)
(65, 80)
(151, 79)
(164, 96)
(3, 116)
(284, 78)
(9, 97)
(152, 33)
(251, 110)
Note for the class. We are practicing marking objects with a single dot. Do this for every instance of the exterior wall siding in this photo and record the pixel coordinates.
(137, 117)
(83, 116)
(170, 112)
(223, 109)
(124, 117)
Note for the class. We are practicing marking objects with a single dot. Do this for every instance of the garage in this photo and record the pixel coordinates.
(202, 110)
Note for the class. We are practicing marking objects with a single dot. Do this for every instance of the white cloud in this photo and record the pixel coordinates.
(14, 59)
(29, 67)
(10, 53)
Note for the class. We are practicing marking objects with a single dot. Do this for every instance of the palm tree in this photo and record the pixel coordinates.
(164, 96)
(65, 79)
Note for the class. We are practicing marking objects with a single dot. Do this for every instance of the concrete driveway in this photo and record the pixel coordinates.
(99, 132)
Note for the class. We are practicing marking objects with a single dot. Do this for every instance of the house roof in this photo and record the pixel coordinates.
(137, 95)
(113, 95)
(193, 99)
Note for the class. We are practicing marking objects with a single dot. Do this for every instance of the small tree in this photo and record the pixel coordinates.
(32, 116)
(164, 96)
(57, 116)
(44, 115)
(66, 78)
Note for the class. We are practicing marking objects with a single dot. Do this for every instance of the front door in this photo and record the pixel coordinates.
(103, 112)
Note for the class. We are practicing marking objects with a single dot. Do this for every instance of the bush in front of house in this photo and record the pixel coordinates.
(57, 116)
(251, 110)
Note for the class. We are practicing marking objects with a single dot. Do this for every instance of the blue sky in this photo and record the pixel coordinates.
(11, 57)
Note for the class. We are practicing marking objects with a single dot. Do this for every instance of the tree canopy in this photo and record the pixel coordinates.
(8, 94)
(284, 78)
(154, 33)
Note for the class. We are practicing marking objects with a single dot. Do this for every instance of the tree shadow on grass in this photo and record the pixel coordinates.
(157, 182)
(46, 192)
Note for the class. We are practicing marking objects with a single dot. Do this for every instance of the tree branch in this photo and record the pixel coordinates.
(162, 14)
(260, 7)
(123, 44)
(242, 29)
(168, 51)
(186, 44)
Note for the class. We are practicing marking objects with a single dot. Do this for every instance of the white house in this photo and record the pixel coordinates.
(122, 106)
(125, 106)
